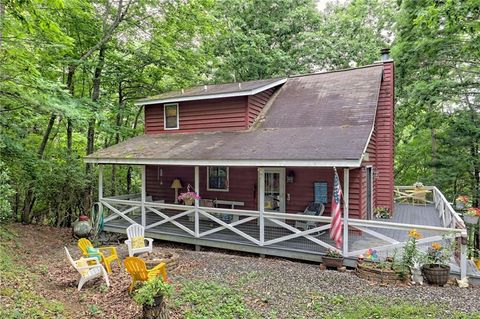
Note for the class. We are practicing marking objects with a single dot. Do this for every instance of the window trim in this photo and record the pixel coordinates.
(217, 189)
(165, 117)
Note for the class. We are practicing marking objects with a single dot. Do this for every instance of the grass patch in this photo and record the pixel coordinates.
(209, 300)
(17, 295)
(361, 307)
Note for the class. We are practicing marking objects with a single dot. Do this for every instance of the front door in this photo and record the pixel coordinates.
(274, 189)
(369, 172)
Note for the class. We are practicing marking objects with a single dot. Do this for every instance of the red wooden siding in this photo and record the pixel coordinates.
(205, 115)
(384, 141)
(243, 186)
(256, 103)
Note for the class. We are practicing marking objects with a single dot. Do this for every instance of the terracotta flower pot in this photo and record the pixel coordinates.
(436, 274)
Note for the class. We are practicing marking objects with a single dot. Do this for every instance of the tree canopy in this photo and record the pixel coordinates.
(70, 71)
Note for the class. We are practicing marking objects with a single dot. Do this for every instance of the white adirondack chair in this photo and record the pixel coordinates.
(94, 271)
(136, 230)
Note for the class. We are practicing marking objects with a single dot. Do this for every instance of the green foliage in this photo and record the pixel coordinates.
(6, 192)
(202, 300)
(156, 287)
(357, 307)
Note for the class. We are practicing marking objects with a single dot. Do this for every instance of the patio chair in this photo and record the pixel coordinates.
(313, 209)
(106, 254)
(138, 270)
(136, 240)
(88, 272)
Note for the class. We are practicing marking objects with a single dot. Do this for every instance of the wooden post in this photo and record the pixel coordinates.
(144, 196)
(197, 190)
(463, 255)
(261, 203)
(100, 189)
(346, 186)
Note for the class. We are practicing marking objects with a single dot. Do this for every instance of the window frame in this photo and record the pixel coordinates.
(165, 117)
(218, 189)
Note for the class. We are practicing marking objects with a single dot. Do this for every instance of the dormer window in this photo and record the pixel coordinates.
(171, 118)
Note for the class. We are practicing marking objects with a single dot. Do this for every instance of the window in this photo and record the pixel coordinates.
(170, 112)
(217, 178)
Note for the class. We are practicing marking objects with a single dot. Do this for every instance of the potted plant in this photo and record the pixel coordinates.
(188, 197)
(462, 202)
(332, 259)
(418, 185)
(382, 212)
(151, 296)
(471, 215)
(436, 270)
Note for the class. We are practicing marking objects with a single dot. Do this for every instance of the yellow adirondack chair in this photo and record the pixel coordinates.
(138, 270)
(84, 243)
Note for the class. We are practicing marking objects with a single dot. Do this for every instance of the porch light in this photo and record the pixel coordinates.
(176, 183)
(290, 176)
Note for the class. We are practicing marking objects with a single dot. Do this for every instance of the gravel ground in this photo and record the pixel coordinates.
(283, 282)
(266, 283)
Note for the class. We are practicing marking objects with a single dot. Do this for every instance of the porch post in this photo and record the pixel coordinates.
(100, 189)
(144, 196)
(197, 190)
(346, 186)
(261, 203)
(463, 255)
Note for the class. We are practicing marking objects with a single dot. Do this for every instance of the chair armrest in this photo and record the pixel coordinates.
(150, 241)
(111, 249)
(95, 259)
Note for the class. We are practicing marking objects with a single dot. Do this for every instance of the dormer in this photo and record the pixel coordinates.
(220, 107)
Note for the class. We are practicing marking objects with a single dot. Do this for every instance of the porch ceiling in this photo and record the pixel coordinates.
(318, 120)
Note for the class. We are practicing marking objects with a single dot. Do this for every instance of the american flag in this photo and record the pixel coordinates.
(336, 228)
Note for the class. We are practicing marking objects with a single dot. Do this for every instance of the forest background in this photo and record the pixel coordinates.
(70, 71)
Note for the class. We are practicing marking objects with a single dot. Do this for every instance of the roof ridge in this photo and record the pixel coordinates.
(336, 71)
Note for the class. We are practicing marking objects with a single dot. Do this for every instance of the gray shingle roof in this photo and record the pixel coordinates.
(209, 91)
(319, 117)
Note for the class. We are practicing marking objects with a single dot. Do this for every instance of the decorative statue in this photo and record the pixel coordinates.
(417, 277)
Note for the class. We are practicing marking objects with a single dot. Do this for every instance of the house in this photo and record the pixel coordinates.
(259, 153)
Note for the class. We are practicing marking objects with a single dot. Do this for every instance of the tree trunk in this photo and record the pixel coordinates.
(30, 196)
(91, 124)
(157, 311)
(118, 125)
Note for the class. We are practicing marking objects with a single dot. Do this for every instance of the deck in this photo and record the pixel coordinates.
(299, 247)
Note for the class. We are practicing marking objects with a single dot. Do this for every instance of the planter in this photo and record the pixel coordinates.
(188, 201)
(153, 259)
(368, 271)
(470, 219)
(158, 310)
(332, 262)
(436, 274)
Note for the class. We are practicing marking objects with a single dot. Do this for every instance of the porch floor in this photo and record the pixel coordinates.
(404, 213)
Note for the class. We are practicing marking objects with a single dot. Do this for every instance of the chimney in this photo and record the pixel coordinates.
(384, 123)
(385, 54)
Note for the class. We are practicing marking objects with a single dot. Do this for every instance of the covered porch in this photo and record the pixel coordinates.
(278, 232)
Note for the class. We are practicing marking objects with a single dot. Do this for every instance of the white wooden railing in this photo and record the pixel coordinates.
(448, 216)
(203, 222)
